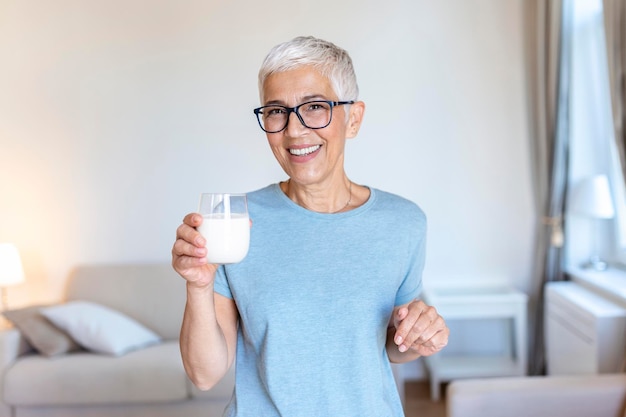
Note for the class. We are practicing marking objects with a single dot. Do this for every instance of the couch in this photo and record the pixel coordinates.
(144, 381)
(542, 396)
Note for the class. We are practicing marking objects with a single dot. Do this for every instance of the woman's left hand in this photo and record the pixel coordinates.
(418, 328)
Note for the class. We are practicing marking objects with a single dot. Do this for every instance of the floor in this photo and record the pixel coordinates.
(418, 402)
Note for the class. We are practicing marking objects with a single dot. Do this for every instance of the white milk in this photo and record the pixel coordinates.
(227, 240)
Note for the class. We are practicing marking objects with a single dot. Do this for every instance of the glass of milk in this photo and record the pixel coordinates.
(225, 226)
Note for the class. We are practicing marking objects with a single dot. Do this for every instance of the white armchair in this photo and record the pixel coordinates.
(551, 396)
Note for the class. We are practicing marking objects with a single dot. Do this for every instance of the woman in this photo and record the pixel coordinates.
(327, 295)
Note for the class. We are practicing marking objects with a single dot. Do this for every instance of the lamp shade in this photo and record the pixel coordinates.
(11, 271)
(592, 198)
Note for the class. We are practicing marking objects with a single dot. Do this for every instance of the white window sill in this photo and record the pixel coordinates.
(611, 283)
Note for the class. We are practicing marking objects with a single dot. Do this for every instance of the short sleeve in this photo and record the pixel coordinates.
(411, 287)
(221, 285)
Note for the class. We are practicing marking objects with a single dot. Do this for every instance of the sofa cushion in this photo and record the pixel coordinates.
(40, 333)
(147, 375)
(99, 328)
(161, 290)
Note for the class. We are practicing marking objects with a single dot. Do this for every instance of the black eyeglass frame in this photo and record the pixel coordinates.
(259, 112)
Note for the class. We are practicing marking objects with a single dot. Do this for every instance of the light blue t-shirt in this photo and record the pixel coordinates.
(315, 294)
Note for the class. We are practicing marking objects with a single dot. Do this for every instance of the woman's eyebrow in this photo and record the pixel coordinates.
(305, 99)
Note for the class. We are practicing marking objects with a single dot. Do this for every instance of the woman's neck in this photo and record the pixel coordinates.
(329, 200)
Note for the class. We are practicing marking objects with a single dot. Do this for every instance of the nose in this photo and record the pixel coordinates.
(295, 127)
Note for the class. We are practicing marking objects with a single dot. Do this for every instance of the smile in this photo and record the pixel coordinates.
(304, 151)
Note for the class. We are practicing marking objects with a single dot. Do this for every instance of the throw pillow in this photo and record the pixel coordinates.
(40, 333)
(99, 328)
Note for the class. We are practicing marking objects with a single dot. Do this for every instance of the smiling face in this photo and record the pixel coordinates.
(310, 156)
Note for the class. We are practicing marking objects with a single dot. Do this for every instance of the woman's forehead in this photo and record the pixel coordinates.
(297, 84)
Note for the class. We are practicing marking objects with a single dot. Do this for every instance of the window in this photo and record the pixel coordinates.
(592, 145)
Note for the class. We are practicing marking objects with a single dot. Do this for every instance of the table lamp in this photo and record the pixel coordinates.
(11, 272)
(591, 198)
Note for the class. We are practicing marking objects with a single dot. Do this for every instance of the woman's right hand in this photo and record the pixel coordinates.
(189, 253)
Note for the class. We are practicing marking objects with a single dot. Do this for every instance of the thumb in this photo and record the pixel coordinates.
(400, 315)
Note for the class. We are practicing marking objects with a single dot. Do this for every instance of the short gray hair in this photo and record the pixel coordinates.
(330, 60)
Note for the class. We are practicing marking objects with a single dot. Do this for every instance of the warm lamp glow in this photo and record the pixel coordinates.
(11, 272)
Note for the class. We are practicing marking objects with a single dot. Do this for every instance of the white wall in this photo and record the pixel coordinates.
(115, 115)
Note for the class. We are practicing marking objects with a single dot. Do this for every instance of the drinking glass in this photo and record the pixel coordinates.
(225, 227)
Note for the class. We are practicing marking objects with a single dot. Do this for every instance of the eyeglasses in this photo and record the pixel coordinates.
(312, 114)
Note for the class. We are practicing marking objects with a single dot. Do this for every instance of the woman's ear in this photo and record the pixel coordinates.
(355, 117)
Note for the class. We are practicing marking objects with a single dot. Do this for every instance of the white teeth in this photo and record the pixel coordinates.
(304, 151)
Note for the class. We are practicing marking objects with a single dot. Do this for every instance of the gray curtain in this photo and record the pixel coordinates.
(615, 35)
(549, 25)
(615, 31)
